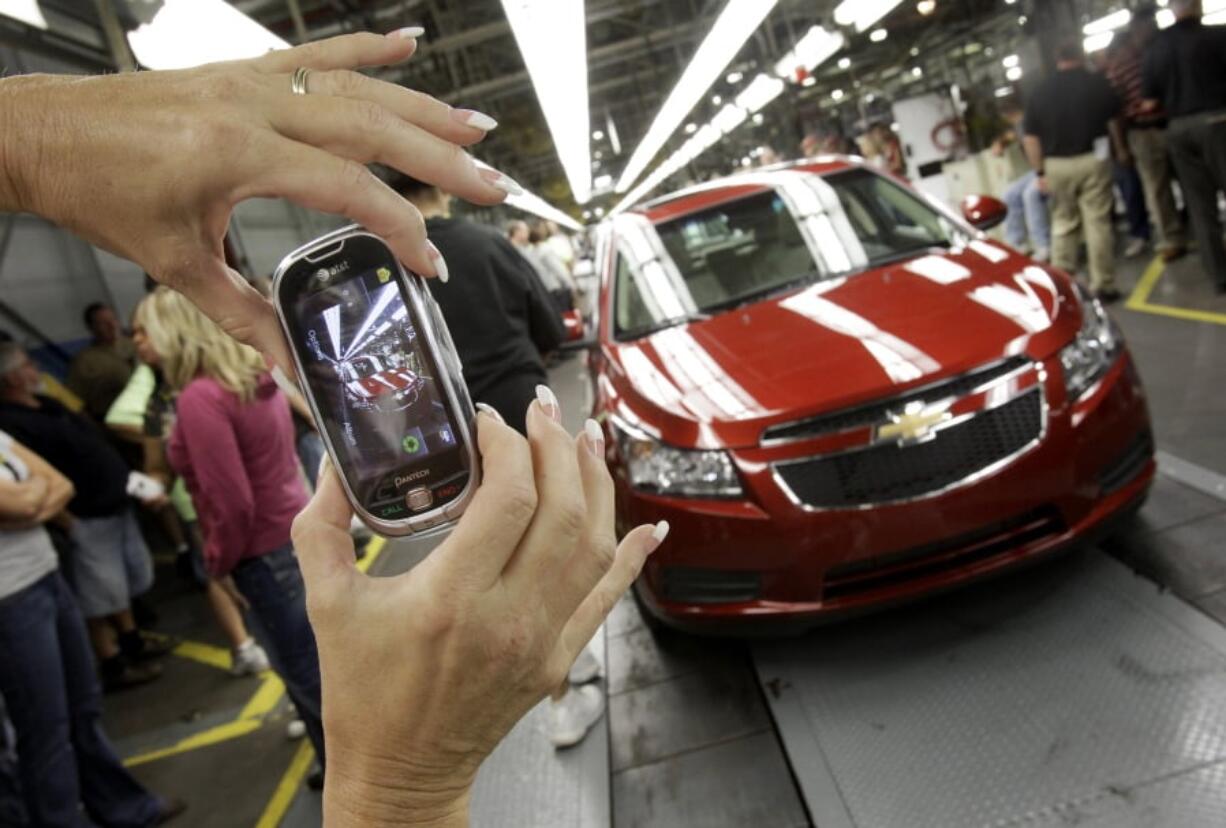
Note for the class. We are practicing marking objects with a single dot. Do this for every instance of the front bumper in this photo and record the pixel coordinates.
(749, 564)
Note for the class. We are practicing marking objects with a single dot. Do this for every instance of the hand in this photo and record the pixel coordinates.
(150, 165)
(1043, 186)
(155, 503)
(448, 657)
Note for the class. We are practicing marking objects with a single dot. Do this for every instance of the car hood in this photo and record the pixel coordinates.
(842, 342)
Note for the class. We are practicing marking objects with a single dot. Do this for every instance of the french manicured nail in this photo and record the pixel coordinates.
(407, 33)
(549, 403)
(485, 408)
(473, 118)
(595, 437)
(502, 181)
(659, 533)
(440, 264)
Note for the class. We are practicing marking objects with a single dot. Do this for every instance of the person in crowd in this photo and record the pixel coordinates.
(233, 444)
(467, 668)
(109, 564)
(1069, 127)
(889, 149)
(1028, 218)
(500, 318)
(546, 258)
(1145, 132)
(1132, 193)
(101, 369)
(560, 244)
(1185, 73)
(520, 235)
(146, 408)
(65, 761)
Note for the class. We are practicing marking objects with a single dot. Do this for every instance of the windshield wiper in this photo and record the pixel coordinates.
(665, 324)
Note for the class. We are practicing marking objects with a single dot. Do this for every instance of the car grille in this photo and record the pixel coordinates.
(876, 412)
(891, 473)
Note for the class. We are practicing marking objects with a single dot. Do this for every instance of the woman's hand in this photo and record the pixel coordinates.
(150, 165)
(423, 674)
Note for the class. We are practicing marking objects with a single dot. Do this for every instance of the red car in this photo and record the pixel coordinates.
(369, 384)
(843, 395)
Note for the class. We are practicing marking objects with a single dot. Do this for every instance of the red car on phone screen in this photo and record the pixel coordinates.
(843, 395)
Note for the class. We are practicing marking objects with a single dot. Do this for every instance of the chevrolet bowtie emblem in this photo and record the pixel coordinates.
(915, 424)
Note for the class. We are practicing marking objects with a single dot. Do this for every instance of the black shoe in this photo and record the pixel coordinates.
(1107, 296)
(137, 646)
(170, 809)
(144, 613)
(118, 674)
(315, 779)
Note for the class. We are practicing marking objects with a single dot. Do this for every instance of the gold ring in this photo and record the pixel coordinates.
(298, 81)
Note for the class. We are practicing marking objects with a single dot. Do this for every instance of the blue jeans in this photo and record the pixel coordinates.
(272, 585)
(1131, 191)
(53, 698)
(1027, 212)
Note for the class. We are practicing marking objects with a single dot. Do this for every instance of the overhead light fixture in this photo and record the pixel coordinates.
(602, 182)
(1165, 18)
(758, 118)
(814, 48)
(837, 94)
(187, 33)
(845, 63)
(597, 136)
(926, 7)
(27, 11)
(862, 14)
(1097, 42)
(1014, 73)
(1009, 61)
(809, 81)
(917, 72)
(615, 140)
(734, 77)
(691, 128)
(537, 206)
(1109, 23)
(761, 90)
(1004, 91)
(716, 100)
(738, 20)
(552, 39)
(729, 118)
(878, 35)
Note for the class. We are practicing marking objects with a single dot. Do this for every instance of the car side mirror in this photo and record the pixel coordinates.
(984, 212)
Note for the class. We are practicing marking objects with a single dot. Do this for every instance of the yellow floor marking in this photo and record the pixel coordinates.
(265, 700)
(283, 796)
(212, 736)
(1139, 300)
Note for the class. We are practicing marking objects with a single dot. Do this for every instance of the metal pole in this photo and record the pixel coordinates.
(115, 37)
(295, 13)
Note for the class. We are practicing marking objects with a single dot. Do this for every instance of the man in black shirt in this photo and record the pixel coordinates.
(500, 317)
(1069, 124)
(109, 563)
(1185, 70)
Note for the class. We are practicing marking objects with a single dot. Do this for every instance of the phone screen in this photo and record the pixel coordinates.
(375, 385)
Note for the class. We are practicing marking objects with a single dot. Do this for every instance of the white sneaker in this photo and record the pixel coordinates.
(295, 730)
(248, 659)
(586, 668)
(1134, 248)
(571, 717)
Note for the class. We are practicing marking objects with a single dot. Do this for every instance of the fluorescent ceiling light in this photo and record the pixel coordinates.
(537, 206)
(1010, 61)
(186, 33)
(27, 11)
(761, 90)
(1097, 42)
(878, 35)
(862, 14)
(738, 20)
(729, 118)
(1165, 18)
(1110, 23)
(552, 38)
(814, 48)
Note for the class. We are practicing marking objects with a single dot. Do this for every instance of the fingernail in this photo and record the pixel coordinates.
(595, 437)
(549, 403)
(502, 181)
(473, 118)
(659, 533)
(490, 410)
(407, 33)
(440, 264)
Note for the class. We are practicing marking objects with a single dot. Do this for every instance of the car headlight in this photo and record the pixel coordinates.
(1094, 350)
(654, 467)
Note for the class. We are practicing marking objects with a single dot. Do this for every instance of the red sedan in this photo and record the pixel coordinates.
(843, 395)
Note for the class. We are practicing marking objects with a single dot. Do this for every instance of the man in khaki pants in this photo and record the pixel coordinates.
(1146, 125)
(1068, 123)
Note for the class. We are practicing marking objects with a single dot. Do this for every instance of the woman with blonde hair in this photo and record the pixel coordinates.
(233, 444)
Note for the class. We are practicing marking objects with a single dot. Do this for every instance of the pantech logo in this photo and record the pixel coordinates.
(404, 480)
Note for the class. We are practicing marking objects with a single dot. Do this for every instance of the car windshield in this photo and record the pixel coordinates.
(746, 250)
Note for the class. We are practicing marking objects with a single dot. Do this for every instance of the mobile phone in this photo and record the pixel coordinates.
(383, 380)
